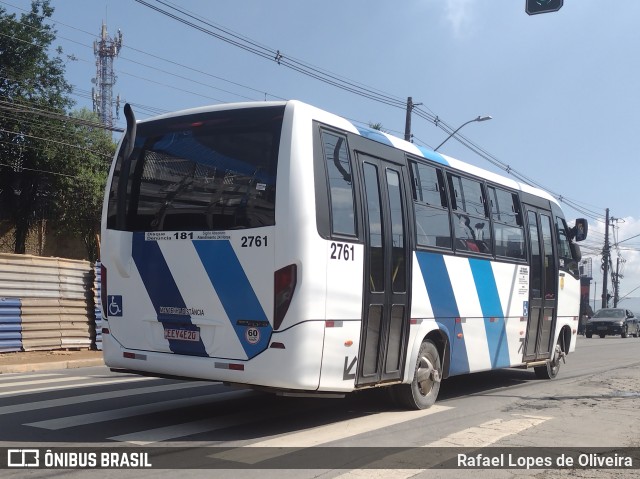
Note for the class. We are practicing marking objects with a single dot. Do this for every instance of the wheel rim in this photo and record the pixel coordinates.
(555, 363)
(426, 376)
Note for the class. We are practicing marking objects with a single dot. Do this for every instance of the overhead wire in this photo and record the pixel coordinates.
(272, 54)
(299, 66)
(50, 140)
(251, 46)
(311, 71)
(182, 66)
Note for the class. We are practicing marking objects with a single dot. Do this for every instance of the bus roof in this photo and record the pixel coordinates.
(376, 135)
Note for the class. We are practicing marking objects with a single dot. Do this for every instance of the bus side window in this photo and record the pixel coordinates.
(507, 223)
(430, 204)
(469, 215)
(567, 262)
(338, 163)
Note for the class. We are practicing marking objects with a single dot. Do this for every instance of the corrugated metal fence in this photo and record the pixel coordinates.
(48, 302)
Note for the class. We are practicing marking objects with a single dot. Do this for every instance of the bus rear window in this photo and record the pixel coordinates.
(207, 171)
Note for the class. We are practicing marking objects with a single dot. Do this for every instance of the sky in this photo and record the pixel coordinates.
(562, 87)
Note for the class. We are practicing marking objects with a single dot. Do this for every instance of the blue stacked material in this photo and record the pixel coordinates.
(10, 325)
(98, 311)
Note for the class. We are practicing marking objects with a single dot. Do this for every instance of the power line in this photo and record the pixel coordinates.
(182, 66)
(273, 54)
(75, 177)
(10, 106)
(249, 45)
(54, 141)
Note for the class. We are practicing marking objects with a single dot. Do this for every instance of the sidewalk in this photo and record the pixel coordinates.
(22, 362)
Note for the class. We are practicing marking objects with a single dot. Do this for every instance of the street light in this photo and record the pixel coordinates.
(480, 118)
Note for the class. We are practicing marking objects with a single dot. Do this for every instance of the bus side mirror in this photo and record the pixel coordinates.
(579, 231)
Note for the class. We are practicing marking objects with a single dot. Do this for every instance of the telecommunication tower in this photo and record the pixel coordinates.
(105, 50)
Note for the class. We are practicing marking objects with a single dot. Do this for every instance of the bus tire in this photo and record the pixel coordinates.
(424, 388)
(550, 370)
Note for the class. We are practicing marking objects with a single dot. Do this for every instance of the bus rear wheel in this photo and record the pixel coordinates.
(424, 388)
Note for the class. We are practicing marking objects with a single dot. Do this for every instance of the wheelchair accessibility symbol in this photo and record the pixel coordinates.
(114, 305)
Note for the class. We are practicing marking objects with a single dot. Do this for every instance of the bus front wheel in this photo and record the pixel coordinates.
(423, 390)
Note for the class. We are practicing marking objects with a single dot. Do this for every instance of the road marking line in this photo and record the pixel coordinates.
(150, 436)
(488, 432)
(329, 433)
(115, 414)
(44, 381)
(380, 474)
(80, 385)
(343, 429)
(50, 403)
(8, 377)
(478, 436)
(324, 434)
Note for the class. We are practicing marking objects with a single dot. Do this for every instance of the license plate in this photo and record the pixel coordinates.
(182, 334)
(602, 328)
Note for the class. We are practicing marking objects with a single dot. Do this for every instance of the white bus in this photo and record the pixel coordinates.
(275, 245)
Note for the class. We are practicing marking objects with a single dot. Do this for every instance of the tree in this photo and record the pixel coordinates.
(376, 126)
(52, 165)
(29, 79)
(88, 149)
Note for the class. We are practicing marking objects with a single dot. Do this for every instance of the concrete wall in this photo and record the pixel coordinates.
(44, 240)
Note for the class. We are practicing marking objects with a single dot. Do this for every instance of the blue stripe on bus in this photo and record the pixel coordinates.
(235, 292)
(445, 308)
(491, 308)
(374, 135)
(432, 155)
(163, 291)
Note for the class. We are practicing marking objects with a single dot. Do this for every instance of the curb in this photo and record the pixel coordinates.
(53, 365)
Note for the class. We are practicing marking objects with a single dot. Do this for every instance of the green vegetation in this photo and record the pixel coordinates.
(53, 163)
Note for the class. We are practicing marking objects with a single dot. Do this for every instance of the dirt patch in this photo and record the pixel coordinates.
(47, 357)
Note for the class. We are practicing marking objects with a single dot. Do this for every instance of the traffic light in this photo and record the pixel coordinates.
(534, 7)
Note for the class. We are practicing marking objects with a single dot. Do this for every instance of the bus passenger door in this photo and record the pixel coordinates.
(543, 287)
(385, 322)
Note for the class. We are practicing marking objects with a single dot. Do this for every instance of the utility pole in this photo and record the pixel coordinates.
(605, 262)
(407, 123)
(616, 291)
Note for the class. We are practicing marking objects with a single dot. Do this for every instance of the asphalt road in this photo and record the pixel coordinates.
(594, 402)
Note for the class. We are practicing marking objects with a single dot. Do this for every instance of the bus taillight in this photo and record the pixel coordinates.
(103, 290)
(284, 285)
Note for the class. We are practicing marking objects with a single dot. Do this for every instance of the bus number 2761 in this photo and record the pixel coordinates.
(344, 252)
(251, 241)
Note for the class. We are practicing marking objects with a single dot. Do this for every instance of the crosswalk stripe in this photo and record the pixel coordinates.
(78, 385)
(324, 434)
(115, 414)
(7, 378)
(150, 436)
(488, 432)
(478, 436)
(351, 427)
(307, 438)
(49, 403)
(43, 381)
